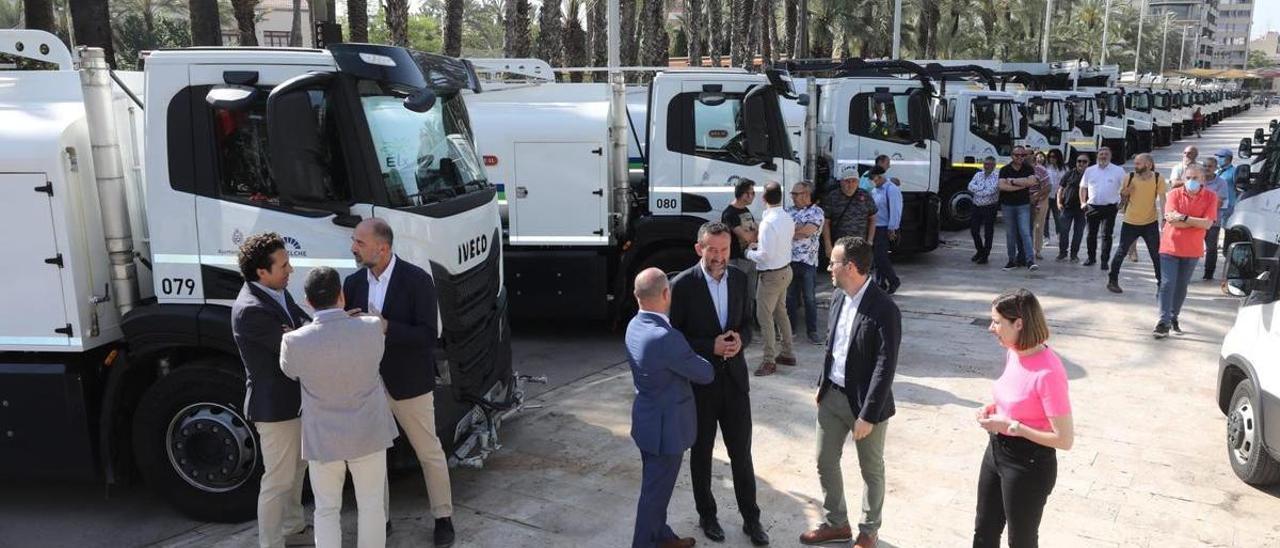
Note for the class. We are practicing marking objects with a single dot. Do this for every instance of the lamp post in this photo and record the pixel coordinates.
(1182, 46)
(1106, 23)
(897, 28)
(1164, 40)
(1137, 56)
(1044, 48)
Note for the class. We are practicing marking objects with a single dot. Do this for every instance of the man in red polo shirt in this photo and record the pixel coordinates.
(1188, 212)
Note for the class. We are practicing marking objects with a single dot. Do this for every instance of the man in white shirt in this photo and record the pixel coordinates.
(1177, 174)
(1100, 192)
(772, 256)
(855, 393)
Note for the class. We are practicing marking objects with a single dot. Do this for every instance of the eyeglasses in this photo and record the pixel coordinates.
(1020, 155)
(1082, 161)
(798, 193)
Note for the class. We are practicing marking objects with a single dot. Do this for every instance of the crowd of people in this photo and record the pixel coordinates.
(1178, 218)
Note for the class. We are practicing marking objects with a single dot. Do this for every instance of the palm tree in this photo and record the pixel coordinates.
(693, 30)
(598, 36)
(91, 21)
(246, 12)
(653, 34)
(358, 20)
(38, 14)
(715, 30)
(206, 24)
(515, 41)
(295, 26)
(549, 47)
(398, 22)
(452, 27)
(575, 41)
(627, 28)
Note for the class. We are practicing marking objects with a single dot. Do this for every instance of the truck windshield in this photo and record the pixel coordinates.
(992, 120)
(425, 157)
(1160, 101)
(1082, 109)
(1040, 112)
(1142, 102)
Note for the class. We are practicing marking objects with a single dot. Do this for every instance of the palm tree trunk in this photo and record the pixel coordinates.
(715, 30)
(550, 47)
(738, 46)
(598, 36)
(358, 20)
(398, 22)
(206, 26)
(575, 41)
(295, 26)
(789, 8)
(653, 34)
(452, 27)
(693, 31)
(800, 45)
(38, 15)
(629, 48)
(766, 37)
(91, 20)
(245, 14)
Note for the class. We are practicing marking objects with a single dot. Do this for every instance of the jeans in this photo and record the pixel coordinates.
(1175, 275)
(1014, 485)
(1104, 215)
(884, 275)
(1150, 234)
(1017, 235)
(1211, 251)
(1072, 226)
(803, 278)
(984, 221)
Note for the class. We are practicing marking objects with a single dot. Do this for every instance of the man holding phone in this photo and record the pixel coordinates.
(710, 306)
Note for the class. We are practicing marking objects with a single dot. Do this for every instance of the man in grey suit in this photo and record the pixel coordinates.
(346, 418)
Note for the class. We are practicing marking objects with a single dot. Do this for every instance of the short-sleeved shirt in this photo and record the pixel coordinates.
(1021, 196)
(1033, 389)
(1141, 210)
(848, 215)
(1179, 168)
(1069, 187)
(1103, 184)
(805, 250)
(1187, 242)
(1219, 186)
(735, 217)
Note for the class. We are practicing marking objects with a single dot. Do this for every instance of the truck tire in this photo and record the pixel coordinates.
(671, 260)
(956, 210)
(193, 445)
(1245, 447)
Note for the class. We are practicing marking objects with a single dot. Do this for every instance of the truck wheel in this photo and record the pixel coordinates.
(1249, 458)
(671, 260)
(957, 210)
(195, 448)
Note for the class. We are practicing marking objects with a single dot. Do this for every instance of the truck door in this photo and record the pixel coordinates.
(33, 296)
(575, 195)
(717, 137)
(894, 121)
(238, 197)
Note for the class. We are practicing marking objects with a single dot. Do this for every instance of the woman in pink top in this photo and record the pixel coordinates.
(1029, 421)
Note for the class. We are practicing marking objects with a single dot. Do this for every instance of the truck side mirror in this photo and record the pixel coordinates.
(420, 101)
(1246, 148)
(297, 151)
(1241, 268)
(803, 100)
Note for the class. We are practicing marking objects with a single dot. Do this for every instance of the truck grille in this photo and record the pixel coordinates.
(470, 319)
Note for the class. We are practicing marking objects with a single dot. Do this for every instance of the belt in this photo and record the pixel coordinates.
(773, 269)
(835, 386)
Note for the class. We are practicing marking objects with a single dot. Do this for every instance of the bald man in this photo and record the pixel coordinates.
(405, 296)
(663, 416)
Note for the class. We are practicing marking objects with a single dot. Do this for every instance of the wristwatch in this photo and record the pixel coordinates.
(1013, 428)
(1185, 217)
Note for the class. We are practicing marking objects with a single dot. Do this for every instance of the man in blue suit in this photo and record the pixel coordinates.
(663, 417)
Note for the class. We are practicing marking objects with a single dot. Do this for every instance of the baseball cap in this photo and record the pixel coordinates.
(849, 172)
(1224, 153)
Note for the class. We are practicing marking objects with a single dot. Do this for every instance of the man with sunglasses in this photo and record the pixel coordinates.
(1015, 182)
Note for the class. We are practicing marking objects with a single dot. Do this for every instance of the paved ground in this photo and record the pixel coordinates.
(1149, 467)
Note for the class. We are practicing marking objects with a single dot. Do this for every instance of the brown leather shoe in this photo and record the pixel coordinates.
(827, 534)
(866, 541)
(686, 542)
(784, 360)
(766, 369)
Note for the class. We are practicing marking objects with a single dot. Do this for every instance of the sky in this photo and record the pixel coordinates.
(1266, 16)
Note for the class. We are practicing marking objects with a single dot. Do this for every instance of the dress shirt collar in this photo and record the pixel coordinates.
(386, 274)
(707, 274)
(328, 314)
(658, 314)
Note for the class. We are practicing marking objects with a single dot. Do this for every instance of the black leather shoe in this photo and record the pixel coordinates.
(756, 532)
(711, 528)
(443, 535)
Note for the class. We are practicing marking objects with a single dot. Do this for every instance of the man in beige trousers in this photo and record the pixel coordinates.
(405, 296)
(772, 255)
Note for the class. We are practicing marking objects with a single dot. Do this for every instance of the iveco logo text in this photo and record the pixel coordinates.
(473, 248)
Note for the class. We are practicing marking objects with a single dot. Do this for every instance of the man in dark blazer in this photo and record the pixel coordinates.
(711, 307)
(261, 315)
(405, 296)
(855, 392)
(663, 417)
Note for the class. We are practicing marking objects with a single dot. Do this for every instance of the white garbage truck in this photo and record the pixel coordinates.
(126, 197)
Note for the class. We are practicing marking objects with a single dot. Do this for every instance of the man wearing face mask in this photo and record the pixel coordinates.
(1219, 186)
(1145, 191)
(1188, 213)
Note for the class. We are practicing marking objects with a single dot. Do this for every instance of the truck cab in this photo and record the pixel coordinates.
(1162, 116)
(1139, 118)
(973, 123)
(1047, 120)
(1114, 129)
(1084, 136)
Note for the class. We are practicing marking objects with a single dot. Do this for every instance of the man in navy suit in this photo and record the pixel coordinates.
(405, 296)
(261, 315)
(663, 417)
